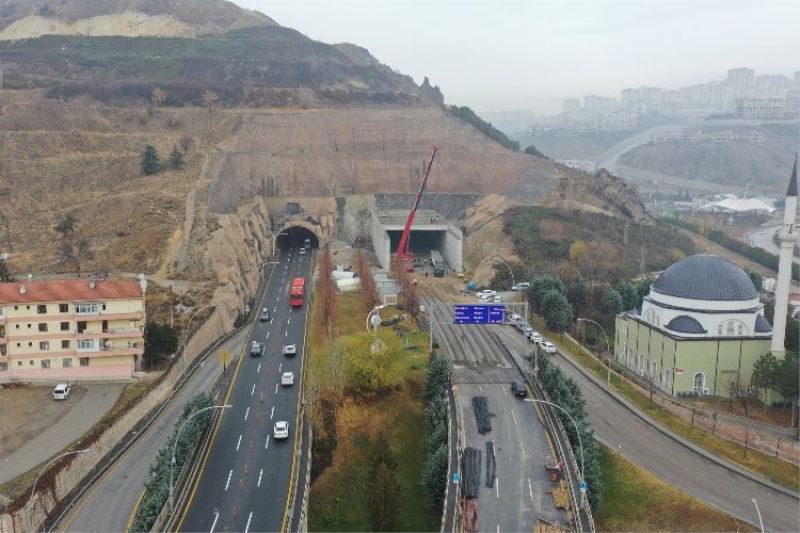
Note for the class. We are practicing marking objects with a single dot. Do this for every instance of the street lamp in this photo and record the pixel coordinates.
(374, 319)
(186, 331)
(760, 521)
(493, 258)
(608, 347)
(33, 490)
(175, 446)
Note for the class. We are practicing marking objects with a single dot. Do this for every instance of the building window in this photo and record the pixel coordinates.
(86, 309)
(65, 345)
(103, 307)
(740, 329)
(19, 363)
(729, 328)
(30, 362)
(41, 309)
(45, 363)
(30, 344)
(16, 308)
(63, 308)
(699, 383)
(2, 331)
(65, 326)
(3, 367)
(18, 345)
(29, 326)
(43, 327)
(719, 330)
(667, 383)
(84, 361)
(88, 345)
(44, 346)
(67, 362)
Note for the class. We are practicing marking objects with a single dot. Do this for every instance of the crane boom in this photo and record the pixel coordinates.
(404, 257)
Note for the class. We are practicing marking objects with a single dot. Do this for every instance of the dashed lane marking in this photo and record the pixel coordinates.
(267, 444)
(272, 414)
(261, 472)
(247, 527)
(214, 524)
(227, 483)
(253, 390)
(513, 417)
(276, 388)
(530, 489)
(246, 414)
(259, 369)
(497, 487)
(280, 367)
(239, 443)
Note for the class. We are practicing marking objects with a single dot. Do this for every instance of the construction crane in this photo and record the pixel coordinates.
(405, 259)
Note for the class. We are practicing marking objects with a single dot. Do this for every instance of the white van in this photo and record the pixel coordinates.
(61, 391)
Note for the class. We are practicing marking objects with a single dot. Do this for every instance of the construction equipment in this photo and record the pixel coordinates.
(405, 259)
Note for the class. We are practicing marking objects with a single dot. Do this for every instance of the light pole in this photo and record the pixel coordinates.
(33, 490)
(371, 321)
(760, 521)
(493, 258)
(608, 347)
(186, 331)
(175, 446)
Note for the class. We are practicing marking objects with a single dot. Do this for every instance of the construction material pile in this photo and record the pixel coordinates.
(471, 468)
(482, 416)
(491, 464)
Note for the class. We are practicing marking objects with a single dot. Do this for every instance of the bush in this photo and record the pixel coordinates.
(434, 473)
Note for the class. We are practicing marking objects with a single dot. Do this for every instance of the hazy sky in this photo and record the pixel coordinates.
(501, 55)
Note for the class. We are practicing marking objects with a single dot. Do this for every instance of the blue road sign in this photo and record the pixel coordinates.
(479, 314)
(583, 486)
(456, 477)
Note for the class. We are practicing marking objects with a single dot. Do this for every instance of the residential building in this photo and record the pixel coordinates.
(742, 80)
(71, 329)
(572, 105)
(593, 102)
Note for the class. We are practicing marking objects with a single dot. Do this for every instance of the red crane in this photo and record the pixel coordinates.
(405, 259)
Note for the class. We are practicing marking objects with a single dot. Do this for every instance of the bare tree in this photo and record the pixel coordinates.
(210, 99)
(158, 97)
(326, 291)
(369, 290)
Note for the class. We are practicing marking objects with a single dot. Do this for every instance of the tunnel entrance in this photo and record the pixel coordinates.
(420, 242)
(295, 236)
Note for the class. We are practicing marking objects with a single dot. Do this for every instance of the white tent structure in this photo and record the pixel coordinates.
(738, 205)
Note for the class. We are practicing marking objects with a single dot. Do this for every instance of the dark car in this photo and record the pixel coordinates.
(518, 389)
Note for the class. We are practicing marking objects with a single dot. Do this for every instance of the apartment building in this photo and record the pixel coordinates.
(71, 329)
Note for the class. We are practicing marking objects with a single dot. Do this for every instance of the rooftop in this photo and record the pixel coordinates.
(706, 277)
(398, 217)
(68, 290)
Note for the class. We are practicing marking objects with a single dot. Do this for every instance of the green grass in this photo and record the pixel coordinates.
(772, 468)
(636, 500)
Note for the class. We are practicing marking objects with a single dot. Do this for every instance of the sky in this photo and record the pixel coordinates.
(495, 55)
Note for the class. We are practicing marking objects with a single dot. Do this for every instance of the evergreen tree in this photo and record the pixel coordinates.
(384, 499)
(67, 225)
(541, 286)
(764, 373)
(150, 160)
(579, 293)
(786, 381)
(5, 275)
(557, 311)
(612, 302)
(176, 159)
(160, 340)
(629, 295)
(758, 281)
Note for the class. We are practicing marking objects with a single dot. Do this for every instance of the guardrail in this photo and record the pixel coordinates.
(582, 515)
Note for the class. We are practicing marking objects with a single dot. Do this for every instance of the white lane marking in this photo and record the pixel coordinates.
(259, 369)
(247, 527)
(280, 367)
(530, 490)
(275, 309)
(497, 486)
(288, 320)
(260, 473)
(229, 479)
(253, 391)
(214, 524)
(267, 444)
(238, 443)
(247, 413)
(286, 333)
(498, 528)
(480, 388)
(272, 414)
(276, 388)
(513, 417)
(268, 335)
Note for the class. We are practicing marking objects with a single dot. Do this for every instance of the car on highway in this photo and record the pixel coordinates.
(61, 391)
(496, 299)
(524, 286)
(486, 294)
(290, 349)
(256, 349)
(281, 429)
(514, 318)
(287, 379)
(534, 336)
(518, 389)
(264, 315)
(302, 251)
(547, 347)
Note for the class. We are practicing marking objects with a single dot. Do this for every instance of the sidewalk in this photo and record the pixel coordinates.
(98, 400)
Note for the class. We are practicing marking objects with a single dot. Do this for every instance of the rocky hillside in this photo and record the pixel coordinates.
(599, 193)
(23, 19)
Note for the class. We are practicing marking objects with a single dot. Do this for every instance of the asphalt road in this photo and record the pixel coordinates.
(108, 505)
(762, 238)
(246, 474)
(682, 467)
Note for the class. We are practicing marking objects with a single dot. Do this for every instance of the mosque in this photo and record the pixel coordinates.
(702, 325)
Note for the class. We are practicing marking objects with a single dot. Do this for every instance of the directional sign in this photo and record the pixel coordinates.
(478, 314)
(456, 477)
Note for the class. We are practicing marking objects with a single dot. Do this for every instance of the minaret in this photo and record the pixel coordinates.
(787, 237)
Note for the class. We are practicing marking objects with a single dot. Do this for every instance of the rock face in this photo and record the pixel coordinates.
(334, 152)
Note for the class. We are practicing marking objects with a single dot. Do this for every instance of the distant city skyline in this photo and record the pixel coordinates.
(507, 55)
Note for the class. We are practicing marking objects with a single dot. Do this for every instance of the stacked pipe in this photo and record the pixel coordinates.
(491, 464)
(471, 467)
(480, 405)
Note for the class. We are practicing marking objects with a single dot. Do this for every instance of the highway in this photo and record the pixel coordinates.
(762, 238)
(245, 477)
(640, 442)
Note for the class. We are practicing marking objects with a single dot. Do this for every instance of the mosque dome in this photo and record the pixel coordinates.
(706, 277)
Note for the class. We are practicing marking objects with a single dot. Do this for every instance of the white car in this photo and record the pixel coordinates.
(61, 391)
(281, 430)
(302, 251)
(524, 286)
(287, 379)
(486, 293)
(547, 347)
(290, 349)
(534, 337)
(514, 317)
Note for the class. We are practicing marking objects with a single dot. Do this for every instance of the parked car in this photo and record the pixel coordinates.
(534, 336)
(524, 286)
(547, 347)
(61, 391)
(518, 389)
(290, 349)
(514, 317)
(287, 379)
(281, 430)
(256, 349)
(302, 251)
(264, 315)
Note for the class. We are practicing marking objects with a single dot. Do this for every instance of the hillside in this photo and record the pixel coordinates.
(764, 165)
(22, 19)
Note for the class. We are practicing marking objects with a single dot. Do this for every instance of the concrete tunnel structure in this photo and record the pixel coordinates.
(430, 231)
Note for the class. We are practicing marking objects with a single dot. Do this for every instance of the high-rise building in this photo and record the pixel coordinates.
(572, 105)
(592, 102)
(741, 80)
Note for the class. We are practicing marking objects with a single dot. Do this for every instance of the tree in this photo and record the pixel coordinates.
(210, 99)
(758, 281)
(384, 499)
(438, 377)
(186, 143)
(409, 292)
(578, 293)
(67, 225)
(577, 252)
(612, 302)
(557, 311)
(764, 373)
(629, 295)
(434, 477)
(176, 158)
(150, 163)
(372, 364)
(746, 394)
(326, 291)
(369, 289)
(540, 286)
(160, 340)
(5, 275)
(786, 382)
(158, 97)
(532, 150)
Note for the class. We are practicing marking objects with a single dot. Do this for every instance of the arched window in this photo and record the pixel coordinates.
(650, 316)
(729, 328)
(699, 383)
(667, 382)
